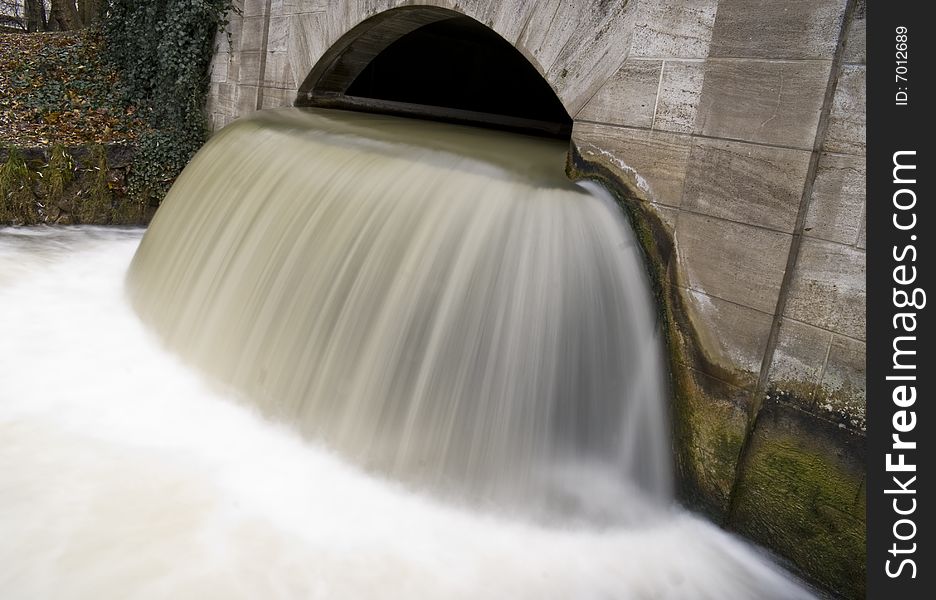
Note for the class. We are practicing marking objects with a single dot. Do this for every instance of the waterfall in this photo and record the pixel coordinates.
(436, 303)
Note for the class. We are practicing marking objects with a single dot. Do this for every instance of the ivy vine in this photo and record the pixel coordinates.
(162, 50)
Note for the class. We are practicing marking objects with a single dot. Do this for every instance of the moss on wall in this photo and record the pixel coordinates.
(801, 493)
(97, 204)
(67, 186)
(18, 204)
(57, 174)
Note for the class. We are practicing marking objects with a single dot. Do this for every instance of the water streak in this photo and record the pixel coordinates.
(439, 303)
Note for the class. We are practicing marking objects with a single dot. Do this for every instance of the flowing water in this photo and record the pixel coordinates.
(438, 303)
(353, 357)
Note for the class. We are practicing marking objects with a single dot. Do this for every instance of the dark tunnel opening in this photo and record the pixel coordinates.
(450, 68)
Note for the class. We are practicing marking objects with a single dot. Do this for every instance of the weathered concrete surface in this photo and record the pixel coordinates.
(734, 261)
(797, 29)
(837, 207)
(799, 359)
(674, 29)
(746, 183)
(763, 101)
(678, 100)
(846, 133)
(659, 158)
(729, 329)
(628, 97)
(733, 131)
(828, 288)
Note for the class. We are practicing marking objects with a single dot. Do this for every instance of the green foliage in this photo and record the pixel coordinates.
(17, 201)
(97, 206)
(56, 89)
(57, 173)
(76, 185)
(69, 80)
(162, 50)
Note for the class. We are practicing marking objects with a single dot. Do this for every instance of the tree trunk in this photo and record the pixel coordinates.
(89, 11)
(66, 14)
(35, 15)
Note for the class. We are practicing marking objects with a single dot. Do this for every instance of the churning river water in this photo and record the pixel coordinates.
(144, 452)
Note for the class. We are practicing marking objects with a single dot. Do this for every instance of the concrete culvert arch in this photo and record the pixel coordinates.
(435, 63)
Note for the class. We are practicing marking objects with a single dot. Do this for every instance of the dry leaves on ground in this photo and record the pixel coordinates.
(55, 88)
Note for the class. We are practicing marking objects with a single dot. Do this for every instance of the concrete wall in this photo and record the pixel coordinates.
(738, 128)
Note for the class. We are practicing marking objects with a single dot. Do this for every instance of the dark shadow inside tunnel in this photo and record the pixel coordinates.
(437, 64)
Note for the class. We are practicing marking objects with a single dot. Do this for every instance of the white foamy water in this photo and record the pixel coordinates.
(124, 475)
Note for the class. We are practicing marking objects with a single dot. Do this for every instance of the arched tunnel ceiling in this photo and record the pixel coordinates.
(436, 63)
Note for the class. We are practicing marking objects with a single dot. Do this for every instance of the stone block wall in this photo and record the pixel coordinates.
(718, 108)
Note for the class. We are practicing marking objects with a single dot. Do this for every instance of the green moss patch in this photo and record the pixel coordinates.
(18, 205)
(68, 186)
(711, 421)
(801, 493)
